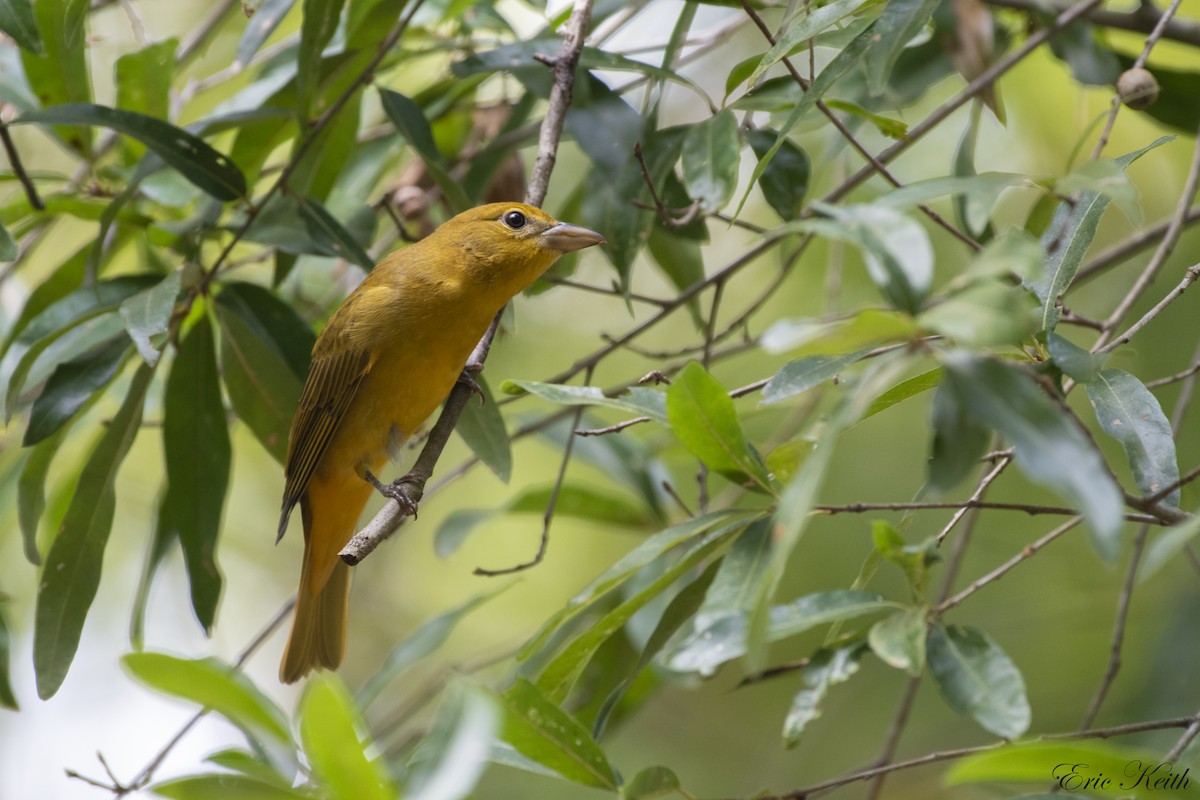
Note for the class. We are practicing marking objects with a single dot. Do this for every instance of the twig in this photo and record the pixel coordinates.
(976, 496)
(1119, 252)
(1032, 510)
(384, 523)
(1189, 277)
(18, 168)
(1142, 19)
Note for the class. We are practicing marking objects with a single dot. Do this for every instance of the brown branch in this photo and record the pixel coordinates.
(18, 169)
(384, 523)
(1138, 241)
(1032, 510)
(1142, 19)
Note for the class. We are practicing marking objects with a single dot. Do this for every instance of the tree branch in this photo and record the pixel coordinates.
(1142, 19)
(384, 523)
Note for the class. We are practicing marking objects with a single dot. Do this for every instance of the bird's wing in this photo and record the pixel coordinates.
(333, 380)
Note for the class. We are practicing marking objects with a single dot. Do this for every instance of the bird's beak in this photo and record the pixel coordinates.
(565, 238)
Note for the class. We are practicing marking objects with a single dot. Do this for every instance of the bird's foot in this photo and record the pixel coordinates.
(396, 491)
(467, 379)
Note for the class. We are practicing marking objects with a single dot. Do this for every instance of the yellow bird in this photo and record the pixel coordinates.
(388, 358)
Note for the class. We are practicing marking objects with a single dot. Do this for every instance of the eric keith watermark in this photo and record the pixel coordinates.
(1138, 775)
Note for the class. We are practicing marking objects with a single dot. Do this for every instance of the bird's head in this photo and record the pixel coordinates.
(512, 243)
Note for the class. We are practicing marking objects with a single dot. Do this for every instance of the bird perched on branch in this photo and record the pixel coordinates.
(389, 356)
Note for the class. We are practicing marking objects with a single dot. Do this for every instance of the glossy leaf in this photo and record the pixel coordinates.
(1081, 365)
(197, 453)
(210, 683)
(331, 235)
(225, 786)
(564, 670)
(804, 26)
(337, 751)
(144, 85)
(70, 387)
(16, 19)
(639, 399)
(899, 640)
(1129, 413)
(911, 387)
(148, 313)
(425, 640)
(59, 74)
(411, 124)
(825, 669)
(31, 492)
(262, 386)
(481, 426)
(900, 22)
(725, 640)
(806, 373)
(1068, 239)
(194, 158)
(453, 755)
(317, 23)
(976, 678)
(543, 732)
(703, 416)
(651, 782)
(72, 571)
(272, 320)
(784, 182)
(711, 155)
(1046, 444)
(849, 57)
(605, 126)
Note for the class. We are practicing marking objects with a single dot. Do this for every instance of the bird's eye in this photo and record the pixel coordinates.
(514, 220)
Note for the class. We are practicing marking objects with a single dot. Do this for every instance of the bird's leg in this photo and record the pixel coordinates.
(395, 491)
(467, 379)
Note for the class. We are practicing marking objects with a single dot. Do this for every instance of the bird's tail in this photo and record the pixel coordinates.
(318, 637)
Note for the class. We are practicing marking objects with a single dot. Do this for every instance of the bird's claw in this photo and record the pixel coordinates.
(467, 379)
(395, 491)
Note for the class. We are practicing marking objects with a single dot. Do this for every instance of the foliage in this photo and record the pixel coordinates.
(220, 210)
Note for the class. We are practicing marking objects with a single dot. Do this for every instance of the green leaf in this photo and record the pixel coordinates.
(481, 426)
(70, 387)
(581, 502)
(1067, 764)
(903, 390)
(983, 188)
(262, 386)
(1167, 545)
(266, 19)
(1082, 365)
(16, 19)
(1068, 239)
(803, 27)
(639, 399)
(197, 452)
(1129, 413)
(1107, 177)
(194, 158)
(984, 315)
(562, 672)
(977, 679)
(824, 670)
(425, 640)
(703, 416)
(456, 527)
(215, 685)
(331, 235)
(627, 565)
(868, 327)
(605, 126)
(410, 123)
(784, 182)
(1013, 252)
(725, 640)
(1047, 446)
(60, 73)
(892, 128)
(330, 729)
(681, 260)
(72, 571)
(317, 24)
(803, 374)
(1090, 61)
(250, 765)
(901, 21)
(895, 247)
(710, 161)
(148, 313)
(8, 246)
(31, 491)
(226, 787)
(734, 588)
(899, 640)
(543, 732)
(959, 439)
(144, 85)
(651, 782)
(7, 698)
(452, 756)
(272, 320)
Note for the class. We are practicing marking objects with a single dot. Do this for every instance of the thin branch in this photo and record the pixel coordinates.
(384, 523)
(1136, 242)
(18, 169)
(1032, 510)
(1189, 277)
(976, 497)
(1142, 19)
